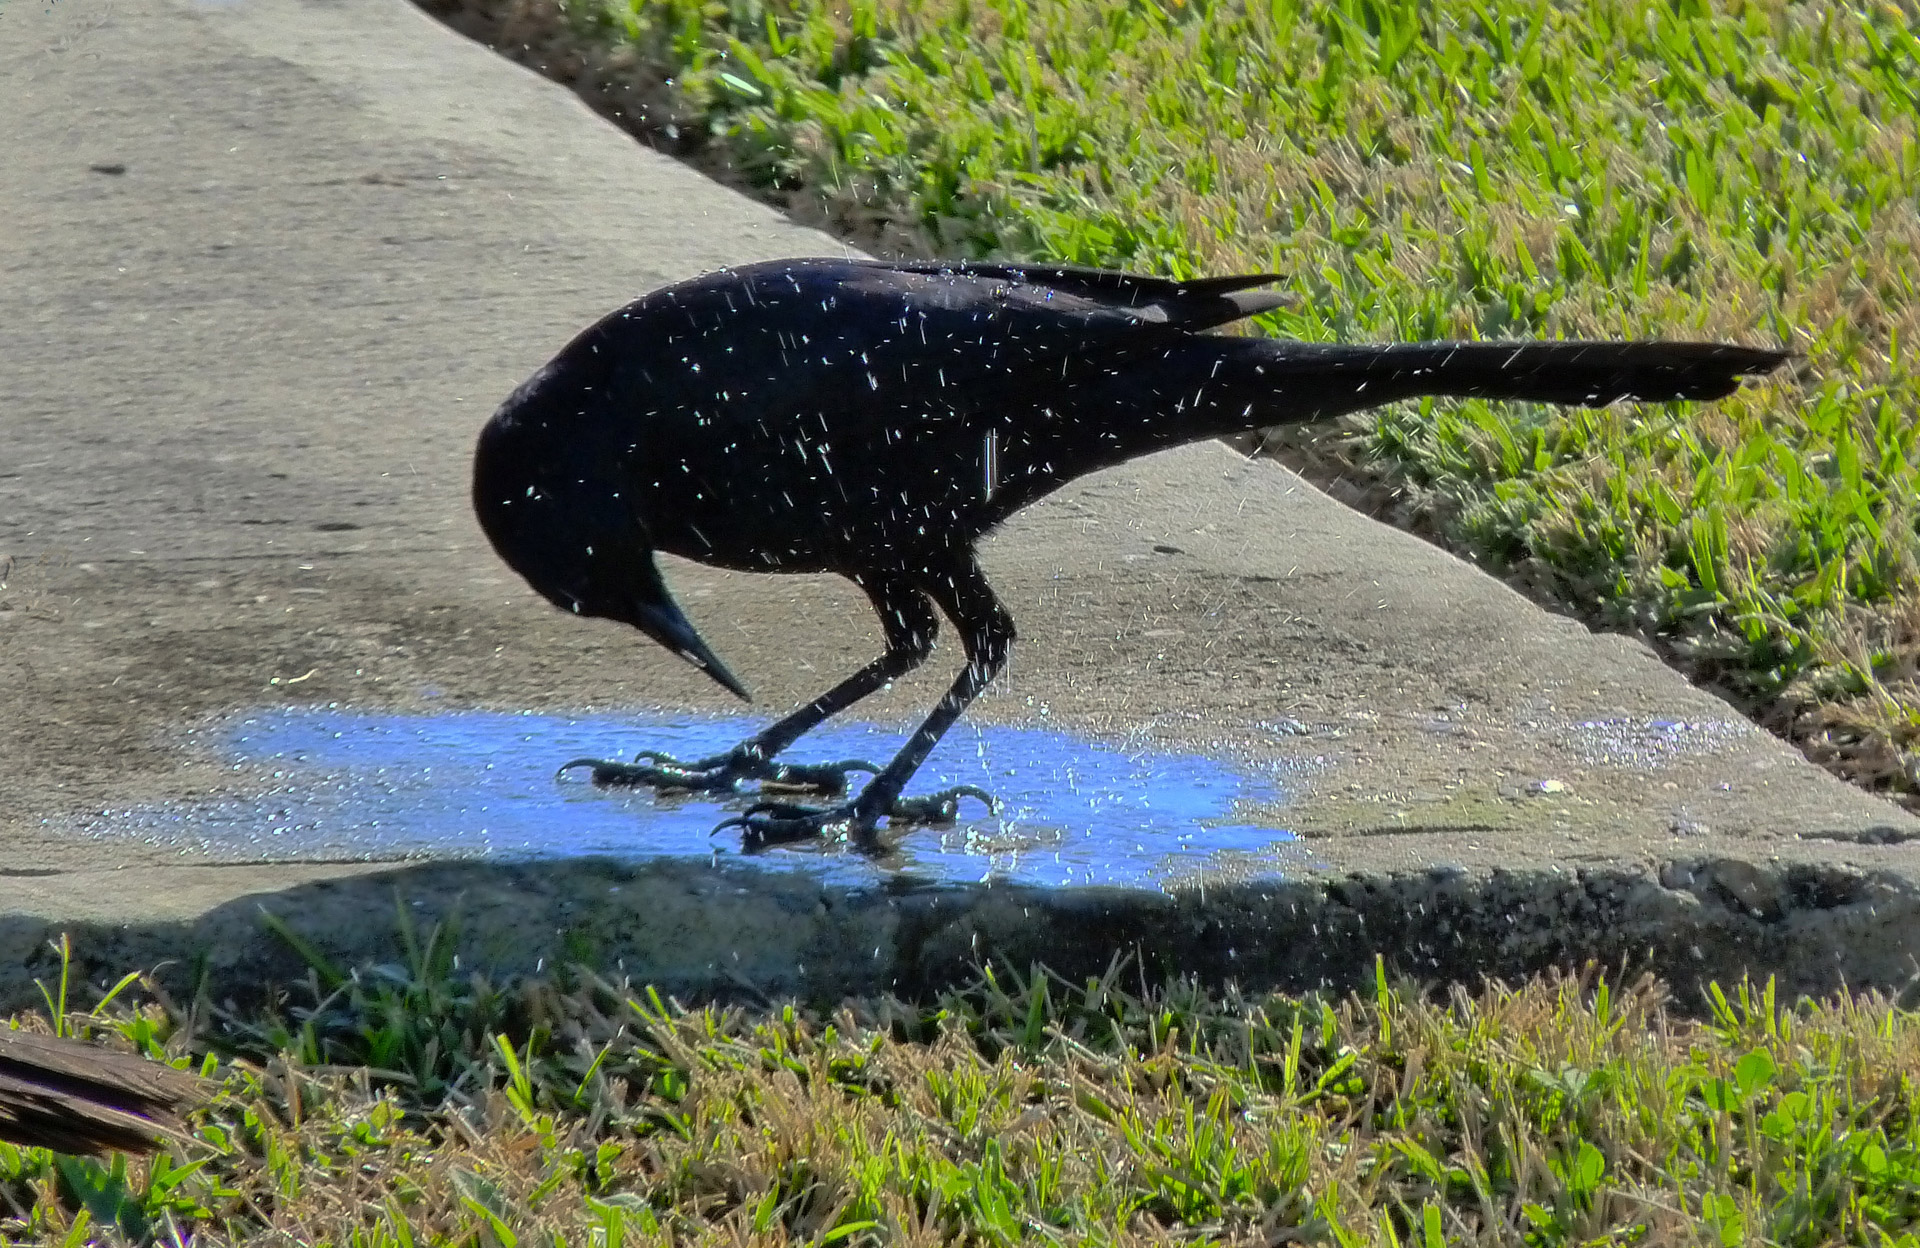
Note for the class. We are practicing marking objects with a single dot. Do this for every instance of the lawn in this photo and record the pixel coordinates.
(1460, 168)
(411, 1105)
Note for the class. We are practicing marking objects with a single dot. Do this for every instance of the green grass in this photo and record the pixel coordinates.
(1460, 168)
(402, 1106)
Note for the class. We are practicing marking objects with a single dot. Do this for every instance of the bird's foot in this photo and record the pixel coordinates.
(722, 773)
(939, 809)
(819, 779)
(766, 824)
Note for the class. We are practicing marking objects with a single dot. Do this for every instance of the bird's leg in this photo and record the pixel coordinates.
(988, 633)
(910, 625)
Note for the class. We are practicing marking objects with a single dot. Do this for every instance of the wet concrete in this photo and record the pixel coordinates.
(329, 785)
(241, 381)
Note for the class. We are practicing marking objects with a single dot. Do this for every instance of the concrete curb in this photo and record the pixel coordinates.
(702, 932)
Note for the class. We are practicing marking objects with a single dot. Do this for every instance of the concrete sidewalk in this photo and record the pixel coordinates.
(270, 264)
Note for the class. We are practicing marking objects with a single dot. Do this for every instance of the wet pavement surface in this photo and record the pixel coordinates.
(331, 785)
(1246, 733)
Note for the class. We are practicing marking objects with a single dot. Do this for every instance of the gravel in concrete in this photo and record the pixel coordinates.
(268, 266)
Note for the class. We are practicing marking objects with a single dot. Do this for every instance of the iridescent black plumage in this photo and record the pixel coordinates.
(876, 420)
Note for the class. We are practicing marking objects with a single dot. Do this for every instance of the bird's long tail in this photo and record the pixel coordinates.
(1587, 374)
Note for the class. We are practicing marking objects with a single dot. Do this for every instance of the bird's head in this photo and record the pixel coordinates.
(552, 501)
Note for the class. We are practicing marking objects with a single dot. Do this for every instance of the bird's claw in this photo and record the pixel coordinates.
(939, 808)
(722, 773)
(819, 779)
(765, 824)
(664, 774)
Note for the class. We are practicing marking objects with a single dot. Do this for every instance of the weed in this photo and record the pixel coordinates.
(1023, 1108)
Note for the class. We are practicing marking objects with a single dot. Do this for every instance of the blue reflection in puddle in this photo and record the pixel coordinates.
(356, 786)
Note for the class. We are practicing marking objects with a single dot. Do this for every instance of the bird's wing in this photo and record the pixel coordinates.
(891, 348)
(1200, 304)
(795, 352)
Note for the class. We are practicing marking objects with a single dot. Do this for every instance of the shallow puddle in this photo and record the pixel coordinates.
(346, 785)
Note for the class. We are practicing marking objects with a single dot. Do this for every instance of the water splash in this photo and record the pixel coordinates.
(353, 786)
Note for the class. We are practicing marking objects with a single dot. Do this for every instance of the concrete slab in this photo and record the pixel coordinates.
(269, 265)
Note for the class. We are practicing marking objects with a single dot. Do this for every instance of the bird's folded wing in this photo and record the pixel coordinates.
(1198, 304)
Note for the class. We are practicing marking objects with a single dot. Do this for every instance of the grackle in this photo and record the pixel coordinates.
(876, 420)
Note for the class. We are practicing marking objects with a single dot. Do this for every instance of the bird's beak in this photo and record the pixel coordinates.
(657, 615)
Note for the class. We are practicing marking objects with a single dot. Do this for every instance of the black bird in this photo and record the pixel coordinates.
(76, 1097)
(876, 420)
